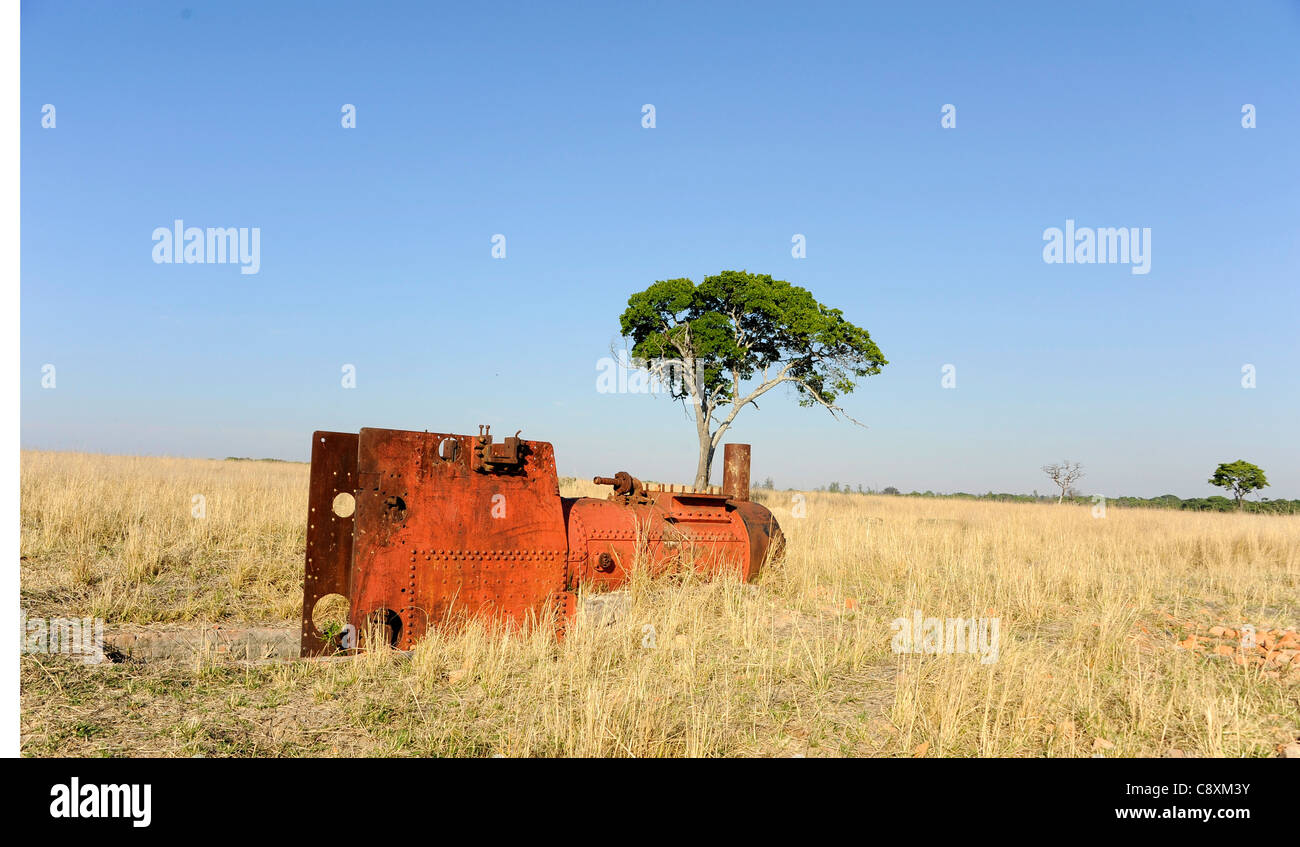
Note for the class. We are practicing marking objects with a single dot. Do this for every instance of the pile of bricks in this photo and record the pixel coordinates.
(1274, 651)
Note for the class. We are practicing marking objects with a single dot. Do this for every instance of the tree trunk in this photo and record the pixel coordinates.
(702, 420)
(705, 464)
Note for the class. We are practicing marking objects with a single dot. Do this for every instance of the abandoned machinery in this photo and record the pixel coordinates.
(414, 529)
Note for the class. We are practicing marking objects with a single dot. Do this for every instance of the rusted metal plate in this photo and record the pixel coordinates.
(436, 538)
(329, 535)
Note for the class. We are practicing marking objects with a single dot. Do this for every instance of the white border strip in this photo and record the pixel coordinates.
(10, 419)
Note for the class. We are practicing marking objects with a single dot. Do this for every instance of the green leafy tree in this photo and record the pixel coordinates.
(737, 336)
(1239, 478)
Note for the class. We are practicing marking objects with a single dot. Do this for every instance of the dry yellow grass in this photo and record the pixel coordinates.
(1090, 609)
(117, 537)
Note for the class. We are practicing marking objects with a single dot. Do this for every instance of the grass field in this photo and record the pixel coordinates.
(1112, 635)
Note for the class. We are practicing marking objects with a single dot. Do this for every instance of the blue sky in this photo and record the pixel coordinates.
(771, 120)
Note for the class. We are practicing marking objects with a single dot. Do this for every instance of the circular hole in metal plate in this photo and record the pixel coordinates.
(330, 615)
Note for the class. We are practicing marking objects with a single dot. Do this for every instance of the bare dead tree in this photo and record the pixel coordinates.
(1064, 475)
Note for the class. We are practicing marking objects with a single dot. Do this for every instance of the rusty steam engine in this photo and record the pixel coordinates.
(417, 528)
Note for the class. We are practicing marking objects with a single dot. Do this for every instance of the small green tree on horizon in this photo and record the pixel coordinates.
(1239, 478)
(737, 336)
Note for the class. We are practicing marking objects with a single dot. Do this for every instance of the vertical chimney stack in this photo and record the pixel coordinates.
(735, 471)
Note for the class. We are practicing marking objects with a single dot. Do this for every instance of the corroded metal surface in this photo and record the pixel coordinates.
(735, 471)
(479, 534)
(329, 535)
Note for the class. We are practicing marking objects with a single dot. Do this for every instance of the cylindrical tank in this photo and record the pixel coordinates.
(717, 532)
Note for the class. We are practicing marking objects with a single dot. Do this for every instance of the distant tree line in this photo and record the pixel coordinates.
(1239, 478)
(1215, 503)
